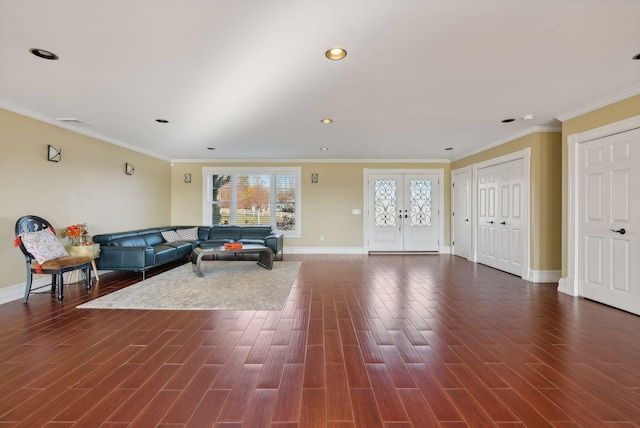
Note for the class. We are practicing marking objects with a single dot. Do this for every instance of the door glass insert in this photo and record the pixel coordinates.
(385, 203)
(420, 193)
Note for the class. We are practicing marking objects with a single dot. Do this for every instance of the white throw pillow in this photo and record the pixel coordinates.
(170, 236)
(190, 234)
(43, 245)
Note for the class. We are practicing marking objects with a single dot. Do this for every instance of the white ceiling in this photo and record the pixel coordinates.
(250, 77)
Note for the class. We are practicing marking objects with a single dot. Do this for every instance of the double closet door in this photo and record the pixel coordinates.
(500, 218)
(403, 212)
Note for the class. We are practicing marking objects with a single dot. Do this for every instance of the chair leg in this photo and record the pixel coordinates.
(60, 287)
(87, 275)
(27, 289)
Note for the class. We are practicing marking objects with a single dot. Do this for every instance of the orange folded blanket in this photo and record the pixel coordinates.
(233, 246)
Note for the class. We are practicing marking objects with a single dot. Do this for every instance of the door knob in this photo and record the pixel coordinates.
(490, 222)
(620, 231)
(503, 223)
(466, 219)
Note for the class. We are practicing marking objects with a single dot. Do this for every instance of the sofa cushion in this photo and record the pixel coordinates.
(214, 243)
(251, 241)
(183, 248)
(255, 232)
(131, 241)
(153, 239)
(203, 232)
(105, 239)
(170, 236)
(164, 254)
(190, 234)
(225, 232)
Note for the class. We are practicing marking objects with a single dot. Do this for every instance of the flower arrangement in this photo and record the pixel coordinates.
(77, 233)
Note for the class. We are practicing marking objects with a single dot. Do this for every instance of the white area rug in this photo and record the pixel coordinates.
(236, 285)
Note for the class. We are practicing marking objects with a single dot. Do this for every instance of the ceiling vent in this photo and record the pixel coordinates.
(71, 121)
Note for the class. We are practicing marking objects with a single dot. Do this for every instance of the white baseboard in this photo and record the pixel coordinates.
(544, 275)
(16, 291)
(324, 250)
(568, 286)
(341, 250)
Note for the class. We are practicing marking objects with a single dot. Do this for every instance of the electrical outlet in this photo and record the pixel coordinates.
(322, 237)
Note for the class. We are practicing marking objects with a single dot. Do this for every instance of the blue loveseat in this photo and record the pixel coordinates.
(144, 249)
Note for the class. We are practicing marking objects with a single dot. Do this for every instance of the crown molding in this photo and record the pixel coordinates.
(599, 104)
(368, 161)
(521, 134)
(83, 131)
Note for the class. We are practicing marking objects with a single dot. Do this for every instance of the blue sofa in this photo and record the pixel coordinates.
(144, 249)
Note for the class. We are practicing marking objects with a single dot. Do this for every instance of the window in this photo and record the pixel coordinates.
(253, 196)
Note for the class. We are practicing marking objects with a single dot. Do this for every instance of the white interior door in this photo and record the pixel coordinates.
(403, 212)
(501, 223)
(487, 207)
(609, 220)
(461, 213)
(510, 220)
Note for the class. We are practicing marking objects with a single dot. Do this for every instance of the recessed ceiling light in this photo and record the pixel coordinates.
(162, 121)
(324, 149)
(335, 53)
(507, 120)
(211, 148)
(636, 57)
(449, 148)
(41, 53)
(326, 121)
(527, 117)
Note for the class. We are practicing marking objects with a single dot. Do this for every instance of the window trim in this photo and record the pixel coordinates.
(297, 171)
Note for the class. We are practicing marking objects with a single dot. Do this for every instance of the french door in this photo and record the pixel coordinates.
(403, 212)
(609, 220)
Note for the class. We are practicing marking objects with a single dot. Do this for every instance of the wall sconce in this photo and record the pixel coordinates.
(187, 177)
(54, 154)
(128, 169)
(314, 178)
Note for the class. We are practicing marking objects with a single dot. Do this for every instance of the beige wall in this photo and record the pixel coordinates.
(625, 109)
(326, 205)
(545, 192)
(88, 186)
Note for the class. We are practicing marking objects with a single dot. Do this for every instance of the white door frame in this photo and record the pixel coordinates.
(569, 284)
(524, 154)
(453, 209)
(365, 190)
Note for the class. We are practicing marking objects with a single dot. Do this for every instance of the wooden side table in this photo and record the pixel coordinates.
(92, 250)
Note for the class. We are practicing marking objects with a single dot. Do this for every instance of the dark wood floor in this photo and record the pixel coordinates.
(363, 341)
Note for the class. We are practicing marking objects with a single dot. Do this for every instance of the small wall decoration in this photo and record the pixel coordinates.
(187, 177)
(54, 154)
(128, 169)
(314, 178)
